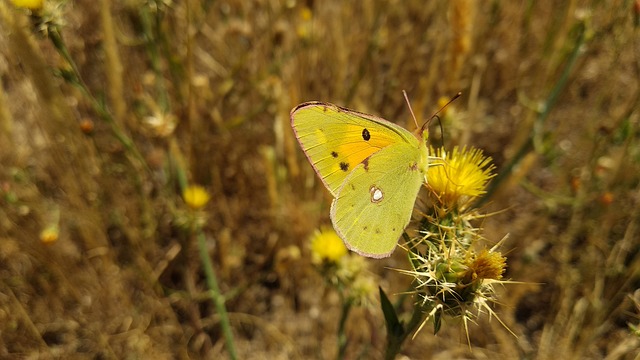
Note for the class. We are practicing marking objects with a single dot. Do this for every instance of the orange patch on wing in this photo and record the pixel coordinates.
(355, 149)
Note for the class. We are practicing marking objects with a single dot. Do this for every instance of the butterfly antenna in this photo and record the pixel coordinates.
(410, 109)
(435, 115)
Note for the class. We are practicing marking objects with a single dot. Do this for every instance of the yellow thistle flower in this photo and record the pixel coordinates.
(458, 177)
(50, 234)
(486, 265)
(195, 196)
(29, 4)
(450, 276)
(326, 245)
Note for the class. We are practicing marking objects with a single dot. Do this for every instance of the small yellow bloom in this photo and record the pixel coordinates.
(303, 30)
(459, 176)
(326, 245)
(195, 196)
(49, 235)
(28, 4)
(306, 14)
(487, 265)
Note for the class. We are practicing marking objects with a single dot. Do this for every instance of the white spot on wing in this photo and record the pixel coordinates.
(376, 194)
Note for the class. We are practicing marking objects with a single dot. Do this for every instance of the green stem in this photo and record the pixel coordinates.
(99, 107)
(216, 296)
(342, 337)
(151, 29)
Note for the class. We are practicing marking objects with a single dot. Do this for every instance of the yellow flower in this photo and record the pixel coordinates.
(326, 245)
(28, 4)
(195, 196)
(305, 14)
(49, 235)
(303, 30)
(486, 265)
(458, 177)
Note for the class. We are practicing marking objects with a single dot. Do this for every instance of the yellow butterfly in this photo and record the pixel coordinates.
(373, 168)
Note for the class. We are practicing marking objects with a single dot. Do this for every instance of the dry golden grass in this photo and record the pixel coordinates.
(551, 88)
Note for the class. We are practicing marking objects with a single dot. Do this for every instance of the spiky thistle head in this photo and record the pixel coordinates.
(450, 275)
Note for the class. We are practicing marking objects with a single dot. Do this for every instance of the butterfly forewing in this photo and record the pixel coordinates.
(336, 140)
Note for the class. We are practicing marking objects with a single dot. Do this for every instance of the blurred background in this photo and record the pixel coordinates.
(110, 109)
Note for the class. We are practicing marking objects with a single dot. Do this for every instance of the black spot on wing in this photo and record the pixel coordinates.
(366, 135)
(334, 154)
(344, 166)
(365, 162)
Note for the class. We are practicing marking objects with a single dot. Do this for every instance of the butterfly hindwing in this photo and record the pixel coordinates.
(376, 201)
(336, 140)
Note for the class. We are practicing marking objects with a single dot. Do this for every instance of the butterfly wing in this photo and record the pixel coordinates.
(336, 140)
(376, 201)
